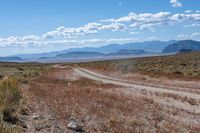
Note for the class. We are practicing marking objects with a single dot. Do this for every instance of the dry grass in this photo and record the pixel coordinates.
(12, 75)
(101, 107)
(191, 101)
(9, 102)
(181, 66)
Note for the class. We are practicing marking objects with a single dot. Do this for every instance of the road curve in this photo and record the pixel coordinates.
(106, 79)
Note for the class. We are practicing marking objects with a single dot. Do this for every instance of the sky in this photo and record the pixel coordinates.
(36, 26)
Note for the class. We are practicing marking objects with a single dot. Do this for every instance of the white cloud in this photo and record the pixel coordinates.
(176, 3)
(196, 24)
(113, 27)
(151, 38)
(195, 35)
(149, 20)
(157, 18)
(134, 33)
(198, 11)
(31, 41)
(90, 28)
(14, 41)
(188, 11)
(63, 32)
(133, 23)
(89, 42)
(143, 17)
(190, 36)
(183, 36)
(143, 20)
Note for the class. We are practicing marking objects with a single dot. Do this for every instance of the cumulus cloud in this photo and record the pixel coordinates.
(143, 20)
(28, 41)
(61, 35)
(151, 38)
(190, 36)
(149, 20)
(188, 11)
(133, 23)
(63, 32)
(195, 35)
(113, 27)
(176, 3)
(142, 17)
(90, 28)
(196, 24)
(90, 41)
(198, 11)
(14, 41)
(183, 36)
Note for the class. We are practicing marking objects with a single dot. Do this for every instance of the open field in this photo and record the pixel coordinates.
(128, 95)
(184, 66)
(12, 77)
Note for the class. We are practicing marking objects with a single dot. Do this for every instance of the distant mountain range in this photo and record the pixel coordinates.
(83, 54)
(113, 50)
(130, 52)
(183, 51)
(182, 45)
(10, 59)
(79, 54)
(153, 46)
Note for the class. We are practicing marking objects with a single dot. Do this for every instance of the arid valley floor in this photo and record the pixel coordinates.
(143, 95)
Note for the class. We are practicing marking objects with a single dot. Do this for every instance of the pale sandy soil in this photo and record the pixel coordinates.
(173, 98)
(110, 102)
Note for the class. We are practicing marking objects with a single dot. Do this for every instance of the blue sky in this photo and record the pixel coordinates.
(35, 26)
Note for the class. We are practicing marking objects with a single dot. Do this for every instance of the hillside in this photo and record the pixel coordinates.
(130, 52)
(184, 65)
(86, 54)
(79, 54)
(10, 59)
(185, 44)
(155, 46)
(184, 51)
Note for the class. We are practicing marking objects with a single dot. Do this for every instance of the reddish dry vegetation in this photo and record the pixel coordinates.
(103, 107)
(180, 66)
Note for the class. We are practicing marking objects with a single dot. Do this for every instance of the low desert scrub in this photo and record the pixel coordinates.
(9, 100)
(10, 93)
(6, 128)
(191, 101)
(183, 66)
(22, 70)
(100, 107)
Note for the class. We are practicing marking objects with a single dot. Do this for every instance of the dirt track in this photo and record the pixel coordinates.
(152, 90)
(105, 79)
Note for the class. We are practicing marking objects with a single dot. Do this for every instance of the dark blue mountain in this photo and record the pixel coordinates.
(185, 44)
(10, 59)
(154, 46)
(79, 54)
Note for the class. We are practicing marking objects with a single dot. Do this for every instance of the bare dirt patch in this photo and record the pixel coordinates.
(104, 107)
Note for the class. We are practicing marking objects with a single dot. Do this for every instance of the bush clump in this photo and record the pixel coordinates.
(9, 100)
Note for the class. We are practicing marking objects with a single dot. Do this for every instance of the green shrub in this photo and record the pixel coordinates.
(9, 92)
(9, 99)
(9, 116)
(20, 68)
(1, 76)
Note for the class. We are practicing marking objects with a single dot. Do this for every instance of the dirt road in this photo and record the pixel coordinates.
(152, 90)
(105, 79)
